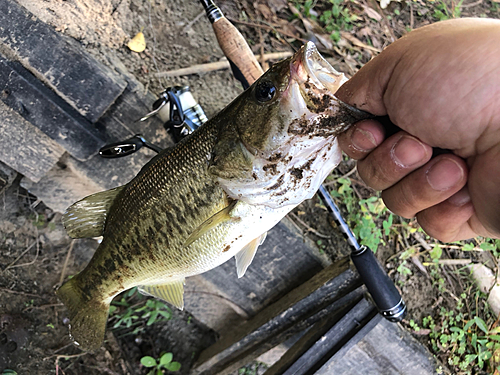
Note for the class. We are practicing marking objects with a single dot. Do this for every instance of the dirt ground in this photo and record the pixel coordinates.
(36, 254)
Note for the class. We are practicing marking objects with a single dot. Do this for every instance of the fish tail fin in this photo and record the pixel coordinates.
(87, 317)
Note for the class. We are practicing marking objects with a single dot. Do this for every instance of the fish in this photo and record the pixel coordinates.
(212, 196)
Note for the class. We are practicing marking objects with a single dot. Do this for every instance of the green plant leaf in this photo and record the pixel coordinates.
(436, 252)
(148, 361)
(166, 359)
(481, 324)
(173, 366)
(486, 246)
(469, 324)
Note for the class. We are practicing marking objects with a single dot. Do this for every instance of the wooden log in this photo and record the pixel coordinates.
(47, 111)
(59, 62)
(313, 297)
(23, 143)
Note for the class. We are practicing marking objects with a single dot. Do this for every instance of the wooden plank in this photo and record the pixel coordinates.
(304, 343)
(22, 144)
(352, 323)
(387, 349)
(87, 85)
(48, 112)
(71, 179)
(303, 302)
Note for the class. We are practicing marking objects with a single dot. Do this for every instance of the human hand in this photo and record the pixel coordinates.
(441, 85)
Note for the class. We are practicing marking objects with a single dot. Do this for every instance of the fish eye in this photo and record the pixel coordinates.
(265, 91)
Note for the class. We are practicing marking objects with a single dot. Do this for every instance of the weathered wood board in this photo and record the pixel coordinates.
(323, 294)
(22, 141)
(48, 112)
(386, 349)
(57, 61)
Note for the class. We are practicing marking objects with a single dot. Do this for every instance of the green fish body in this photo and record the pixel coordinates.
(212, 196)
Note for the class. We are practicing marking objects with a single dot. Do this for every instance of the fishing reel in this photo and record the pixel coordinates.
(180, 113)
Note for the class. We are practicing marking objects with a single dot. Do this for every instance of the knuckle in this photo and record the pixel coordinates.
(434, 227)
(402, 201)
(374, 175)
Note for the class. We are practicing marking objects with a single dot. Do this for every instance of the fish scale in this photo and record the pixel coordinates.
(211, 197)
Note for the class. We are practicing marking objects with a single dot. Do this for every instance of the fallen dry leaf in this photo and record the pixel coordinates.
(357, 42)
(137, 43)
(372, 13)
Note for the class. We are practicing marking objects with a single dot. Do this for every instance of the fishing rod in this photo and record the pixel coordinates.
(383, 291)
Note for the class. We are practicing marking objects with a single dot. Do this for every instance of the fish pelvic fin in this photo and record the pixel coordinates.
(245, 256)
(87, 217)
(172, 293)
(87, 317)
(219, 218)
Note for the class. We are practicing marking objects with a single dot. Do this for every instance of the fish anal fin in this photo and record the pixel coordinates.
(219, 218)
(245, 256)
(87, 217)
(172, 293)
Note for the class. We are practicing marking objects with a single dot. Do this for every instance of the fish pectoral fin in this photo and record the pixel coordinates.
(219, 218)
(87, 217)
(172, 293)
(246, 255)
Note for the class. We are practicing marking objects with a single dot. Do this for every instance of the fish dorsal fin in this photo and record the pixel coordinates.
(86, 218)
(172, 293)
(246, 255)
(219, 218)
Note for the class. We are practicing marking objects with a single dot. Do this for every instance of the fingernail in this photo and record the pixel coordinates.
(408, 151)
(363, 140)
(444, 174)
(461, 198)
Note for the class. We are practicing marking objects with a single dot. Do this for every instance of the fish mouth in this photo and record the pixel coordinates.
(318, 80)
(309, 68)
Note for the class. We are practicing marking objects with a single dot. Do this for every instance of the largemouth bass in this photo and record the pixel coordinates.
(212, 196)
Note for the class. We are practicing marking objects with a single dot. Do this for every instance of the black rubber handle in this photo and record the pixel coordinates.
(382, 289)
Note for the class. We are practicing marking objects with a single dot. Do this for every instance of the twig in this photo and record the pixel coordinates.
(262, 62)
(295, 217)
(18, 292)
(450, 262)
(218, 65)
(191, 23)
(471, 4)
(154, 42)
(66, 262)
(421, 241)
(42, 307)
(20, 256)
(268, 27)
(60, 356)
(418, 263)
(33, 261)
(334, 181)
(412, 20)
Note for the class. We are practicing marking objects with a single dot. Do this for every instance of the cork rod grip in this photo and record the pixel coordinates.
(236, 49)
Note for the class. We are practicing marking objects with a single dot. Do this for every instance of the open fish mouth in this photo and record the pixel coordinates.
(310, 67)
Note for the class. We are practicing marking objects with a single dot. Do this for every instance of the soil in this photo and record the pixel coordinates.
(36, 254)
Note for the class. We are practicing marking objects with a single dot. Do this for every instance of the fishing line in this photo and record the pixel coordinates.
(154, 47)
